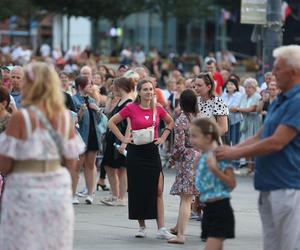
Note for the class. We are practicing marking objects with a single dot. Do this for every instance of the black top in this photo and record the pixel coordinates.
(69, 102)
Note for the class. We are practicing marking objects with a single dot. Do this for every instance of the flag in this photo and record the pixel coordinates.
(286, 10)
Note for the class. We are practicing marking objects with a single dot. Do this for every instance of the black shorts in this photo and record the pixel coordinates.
(218, 220)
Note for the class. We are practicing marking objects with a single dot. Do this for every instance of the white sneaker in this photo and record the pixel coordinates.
(75, 200)
(106, 199)
(141, 233)
(89, 199)
(163, 233)
(114, 202)
(82, 193)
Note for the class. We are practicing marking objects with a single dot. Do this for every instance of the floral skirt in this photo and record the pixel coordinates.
(37, 211)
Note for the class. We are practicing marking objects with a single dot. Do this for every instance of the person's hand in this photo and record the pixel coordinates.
(266, 97)
(171, 162)
(159, 141)
(83, 107)
(122, 148)
(233, 109)
(177, 111)
(226, 153)
(126, 140)
(212, 162)
(93, 106)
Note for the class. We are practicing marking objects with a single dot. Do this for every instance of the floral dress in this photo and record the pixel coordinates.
(37, 211)
(184, 156)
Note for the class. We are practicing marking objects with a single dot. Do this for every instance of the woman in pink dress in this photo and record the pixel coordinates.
(37, 211)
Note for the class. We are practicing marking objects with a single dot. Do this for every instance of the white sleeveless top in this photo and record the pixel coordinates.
(39, 145)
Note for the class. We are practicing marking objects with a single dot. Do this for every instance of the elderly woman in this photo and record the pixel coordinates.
(249, 101)
(251, 119)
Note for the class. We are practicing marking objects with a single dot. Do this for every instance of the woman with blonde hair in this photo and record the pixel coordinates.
(144, 168)
(37, 210)
(251, 122)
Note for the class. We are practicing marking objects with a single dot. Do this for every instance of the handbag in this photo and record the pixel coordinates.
(102, 125)
(146, 135)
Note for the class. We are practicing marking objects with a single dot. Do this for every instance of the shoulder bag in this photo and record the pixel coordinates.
(144, 136)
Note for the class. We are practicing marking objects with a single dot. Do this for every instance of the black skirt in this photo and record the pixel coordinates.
(143, 169)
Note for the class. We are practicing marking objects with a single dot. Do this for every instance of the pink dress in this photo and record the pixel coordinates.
(37, 211)
(184, 156)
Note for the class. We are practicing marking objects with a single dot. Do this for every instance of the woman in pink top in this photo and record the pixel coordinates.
(144, 169)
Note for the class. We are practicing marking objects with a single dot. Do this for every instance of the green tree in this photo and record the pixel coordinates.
(113, 10)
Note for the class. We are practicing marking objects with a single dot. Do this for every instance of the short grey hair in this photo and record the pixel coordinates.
(290, 53)
(268, 74)
(85, 68)
(251, 82)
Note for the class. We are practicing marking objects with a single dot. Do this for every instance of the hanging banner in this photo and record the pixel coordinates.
(254, 12)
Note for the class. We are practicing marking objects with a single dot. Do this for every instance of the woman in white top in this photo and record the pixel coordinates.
(37, 210)
(210, 105)
(232, 98)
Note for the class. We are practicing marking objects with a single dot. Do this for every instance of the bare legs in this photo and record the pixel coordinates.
(183, 217)
(214, 244)
(118, 181)
(90, 171)
(86, 160)
(75, 173)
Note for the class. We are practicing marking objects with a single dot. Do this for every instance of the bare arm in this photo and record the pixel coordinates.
(222, 122)
(127, 135)
(260, 106)
(248, 110)
(112, 125)
(274, 143)
(70, 164)
(169, 126)
(16, 129)
(251, 140)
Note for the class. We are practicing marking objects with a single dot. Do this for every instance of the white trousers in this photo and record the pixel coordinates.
(280, 216)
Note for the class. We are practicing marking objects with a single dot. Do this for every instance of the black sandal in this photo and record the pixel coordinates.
(104, 187)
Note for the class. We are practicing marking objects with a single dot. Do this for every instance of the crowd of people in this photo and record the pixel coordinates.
(129, 117)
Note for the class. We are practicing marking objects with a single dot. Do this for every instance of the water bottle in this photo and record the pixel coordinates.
(117, 147)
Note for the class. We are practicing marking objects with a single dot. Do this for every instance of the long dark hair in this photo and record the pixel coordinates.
(188, 102)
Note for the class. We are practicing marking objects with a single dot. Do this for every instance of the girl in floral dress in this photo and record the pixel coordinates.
(184, 155)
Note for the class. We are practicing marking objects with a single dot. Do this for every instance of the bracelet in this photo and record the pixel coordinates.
(170, 130)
